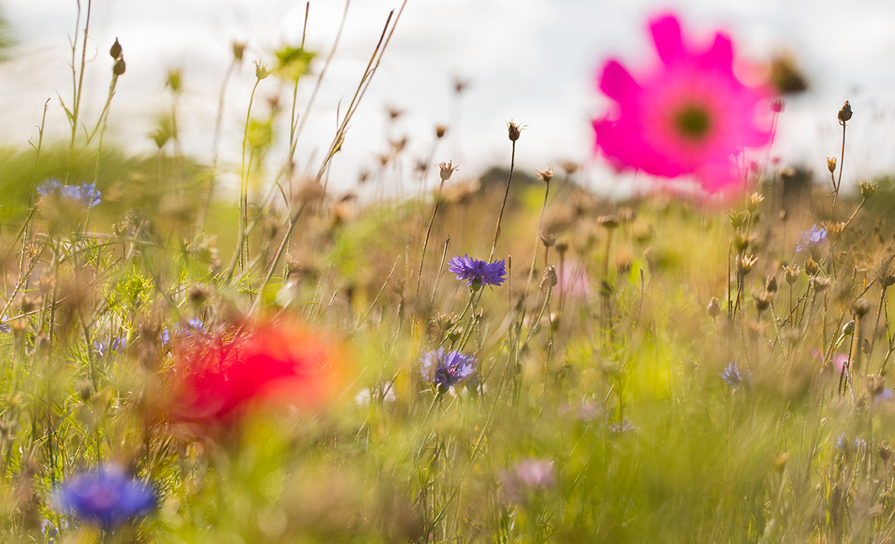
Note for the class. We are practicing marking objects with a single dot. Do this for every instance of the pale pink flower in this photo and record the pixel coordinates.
(689, 115)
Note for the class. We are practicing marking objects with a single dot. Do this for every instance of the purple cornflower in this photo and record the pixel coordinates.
(106, 496)
(734, 377)
(113, 345)
(811, 239)
(478, 273)
(85, 195)
(446, 370)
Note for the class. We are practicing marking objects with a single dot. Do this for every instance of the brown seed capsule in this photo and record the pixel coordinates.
(713, 309)
(549, 279)
(762, 301)
(545, 175)
(811, 267)
(745, 264)
(115, 51)
(831, 164)
(845, 113)
(119, 67)
(439, 131)
(860, 308)
(771, 284)
(513, 130)
(446, 169)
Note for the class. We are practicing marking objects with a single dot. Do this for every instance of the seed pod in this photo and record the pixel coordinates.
(845, 113)
(513, 131)
(115, 51)
(713, 309)
(119, 67)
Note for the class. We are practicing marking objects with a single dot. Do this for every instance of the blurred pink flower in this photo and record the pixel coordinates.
(689, 115)
(573, 281)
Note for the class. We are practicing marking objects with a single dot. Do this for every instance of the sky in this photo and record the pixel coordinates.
(533, 61)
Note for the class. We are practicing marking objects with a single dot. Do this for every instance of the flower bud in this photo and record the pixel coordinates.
(849, 328)
(115, 52)
(119, 67)
(831, 164)
(771, 284)
(446, 169)
(754, 201)
(713, 309)
(514, 131)
(545, 175)
(261, 70)
(845, 113)
(238, 51)
(791, 273)
(439, 131)
(811, 267)
(762, 301)
(745, 264)
(549, 279)
(860, 308)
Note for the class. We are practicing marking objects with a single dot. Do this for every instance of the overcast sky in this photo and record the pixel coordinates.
(534, 61)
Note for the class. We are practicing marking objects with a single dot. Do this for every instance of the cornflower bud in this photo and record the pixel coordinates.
(447, 168)
(745, 264)
(820, 284)
(713, 309)
(845, 113)
(115, 52)
(771, 284)
(860, 308)
(831, 164)
(546, 175)
(549, 279)
(754, 201)
(811, 267)
(791, 273)
(868, 188)
(513, 130)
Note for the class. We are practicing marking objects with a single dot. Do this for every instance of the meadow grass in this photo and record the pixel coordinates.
(656, 370)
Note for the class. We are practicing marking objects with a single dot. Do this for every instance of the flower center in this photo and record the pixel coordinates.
(692, 122)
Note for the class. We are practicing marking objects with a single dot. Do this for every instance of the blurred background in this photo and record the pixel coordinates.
(534, 61)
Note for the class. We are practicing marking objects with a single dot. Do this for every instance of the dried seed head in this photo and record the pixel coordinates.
(849, 328)
(569, 167)
(545, 175)
(845, 113)
(868, 188)
(820, 284)
(811, 267)
(713, 309)
(447, 168)
(439, 131)
(119, 67)
(860, 308)
(791, 273)
(745, 263)
(547, 238)
(261, 71)
(831, 164)
(736, 219)
(562, 246)
(771, 284)
(549, 280)
(514, 130)
(762, 301)
(115, 51)
(754, 200)
(885, 452)
(238, 51)
(834, 228)
(608, 221)
(741, 241)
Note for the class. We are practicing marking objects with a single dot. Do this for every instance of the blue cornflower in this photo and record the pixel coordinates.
(734, 377)
(446, 370)
(811, 239)
(106, 496)
(621, 428)
(85, 194)
(113, 345)
(478, 273)
(842, 442)
(49, 187)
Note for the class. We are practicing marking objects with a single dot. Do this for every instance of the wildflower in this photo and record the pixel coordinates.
(477, 273)
(86, 194)
(106, 496)
(528, 477)
(103, 347)
(447, 369)
(573, 281)
(811, 239)
(733, 377)
(446, 169)
(622, 427)
(273, 363)
(688, 116)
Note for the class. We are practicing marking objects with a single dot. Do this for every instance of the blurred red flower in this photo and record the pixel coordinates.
(689, 115)
(283, 363)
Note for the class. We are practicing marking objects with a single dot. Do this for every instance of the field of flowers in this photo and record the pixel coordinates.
(511, 360)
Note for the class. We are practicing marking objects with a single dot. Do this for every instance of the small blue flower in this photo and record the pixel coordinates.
(811, 239)
(196, 323)
(166, 337)
(621, 428)
(49, 187)
(106, 496)
(733, 377)
(86, 194)
(446, 370)
(104, 347)
(478, 273)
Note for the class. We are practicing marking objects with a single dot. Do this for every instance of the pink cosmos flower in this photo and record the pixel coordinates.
(689, 115)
